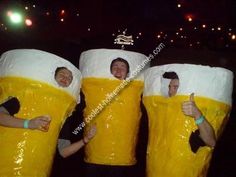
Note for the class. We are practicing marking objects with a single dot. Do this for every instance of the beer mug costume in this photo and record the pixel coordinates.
(28, 75)
(169, 152)
(116, 116)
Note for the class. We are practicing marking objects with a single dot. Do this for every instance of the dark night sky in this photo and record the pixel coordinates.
(148, 17)
(105, 17)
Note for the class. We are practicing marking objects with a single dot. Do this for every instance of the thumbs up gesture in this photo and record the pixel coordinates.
(189, 108)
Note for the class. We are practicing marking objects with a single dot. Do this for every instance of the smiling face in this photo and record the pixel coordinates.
(63, 77)
(119, 70)
(173, 87)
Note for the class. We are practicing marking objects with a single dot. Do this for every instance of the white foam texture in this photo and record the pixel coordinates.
(96, 62)
(40, 66)
(212, 82)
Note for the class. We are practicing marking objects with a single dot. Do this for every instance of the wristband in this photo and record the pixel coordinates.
(199, 120)
(26, 124)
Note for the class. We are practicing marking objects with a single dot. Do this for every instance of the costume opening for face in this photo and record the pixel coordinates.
(119, 115)
(174, 147)
(28, 75)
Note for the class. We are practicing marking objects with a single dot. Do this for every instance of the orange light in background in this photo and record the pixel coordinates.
(28, 22)
(189, 17)
(62, 12)
(233, 37)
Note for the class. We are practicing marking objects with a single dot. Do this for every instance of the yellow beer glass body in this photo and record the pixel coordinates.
(25, 152)
(169, 152)
(117, 119)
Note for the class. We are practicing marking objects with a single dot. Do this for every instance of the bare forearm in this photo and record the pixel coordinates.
(72, 148)
(10, 121)
(207, 133)
(66, 148)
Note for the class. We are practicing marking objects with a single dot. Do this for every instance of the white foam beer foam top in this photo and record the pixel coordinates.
(212, 82)
(96, 62)
(39, 65)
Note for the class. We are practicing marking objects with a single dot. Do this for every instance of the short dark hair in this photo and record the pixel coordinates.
(58, 69)
(170, 75)
(121, 60)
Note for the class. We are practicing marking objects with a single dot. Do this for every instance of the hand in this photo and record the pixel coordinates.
(189, 108)
(41, 123)
(90, 134)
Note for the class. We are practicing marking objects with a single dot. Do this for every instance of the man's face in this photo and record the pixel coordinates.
(64, 77)
(119, 70)
(173, 87)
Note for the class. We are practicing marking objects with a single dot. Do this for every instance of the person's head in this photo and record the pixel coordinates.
(174, 83)
(63, 76)
(119, 68)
